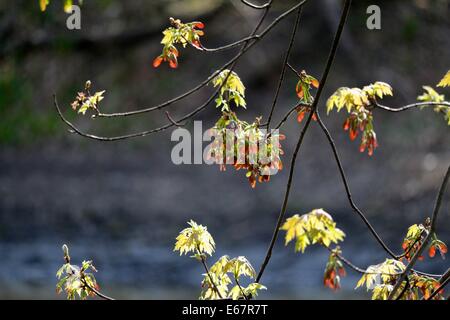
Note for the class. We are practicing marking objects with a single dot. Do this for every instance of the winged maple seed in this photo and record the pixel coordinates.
(334, 270)
(414, 240)
(304, 85)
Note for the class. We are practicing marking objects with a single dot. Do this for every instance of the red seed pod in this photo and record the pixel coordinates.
(252, 181)
(199, 33)
(315, 83)
(173, 63)
(197, 44)
(347, 124)
(353, 134)
(300, 116)
(300, 92)
(174, 51)
(199, 25)
(405, 245)
(432, 251)
(157, 62)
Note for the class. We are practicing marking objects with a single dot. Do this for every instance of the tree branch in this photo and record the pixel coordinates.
(347, 188)
(324, 78)
(255, 6)
(205, 266)
(427, 239)
(410, 106)
(256, 38)
(445, 279)
(285, 63)
(96, 292)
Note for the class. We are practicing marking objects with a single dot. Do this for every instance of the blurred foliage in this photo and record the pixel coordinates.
(21, 122)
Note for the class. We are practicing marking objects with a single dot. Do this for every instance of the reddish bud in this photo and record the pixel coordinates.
(315, 83)
(353, 134)
(300, 116)
(347, 124)
(196, 44)
(173, 63)
(157, 62)
(199, 25)
(300, 92)
(432, 252)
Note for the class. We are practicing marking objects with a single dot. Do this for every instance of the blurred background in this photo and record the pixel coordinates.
(122, 204)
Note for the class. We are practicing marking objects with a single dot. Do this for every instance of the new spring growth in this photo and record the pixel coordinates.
(65, 250)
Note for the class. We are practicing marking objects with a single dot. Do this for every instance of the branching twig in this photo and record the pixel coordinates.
(230, 64)
(425, 242)
(443, 282)
(330, 60)
(347, 188)
(407, 286)
(173, 121)
(231, 45)
(240, 288)
(289, 113)
(247, 46)
(354, 267)
(353, 205)
(96, 292)
(205, 266)
(78, 131)
(283, 69)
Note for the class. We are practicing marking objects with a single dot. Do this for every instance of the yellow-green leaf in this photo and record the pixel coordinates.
(445, 82)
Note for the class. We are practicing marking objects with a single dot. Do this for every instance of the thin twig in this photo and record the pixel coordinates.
(443, 282)
(407, 286)
(256, 38)
(347, 262)
(427, 239)
(255, 6)
(229, 46)
(96, 292)
(205, 266)
(240, 288)
(347, 188)
(356, 268)
(289, 113)
(173, 121)
(294, 70)
(324, 78)
(353, 205)
(285, 62)
(411, 106)
(78, 131)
